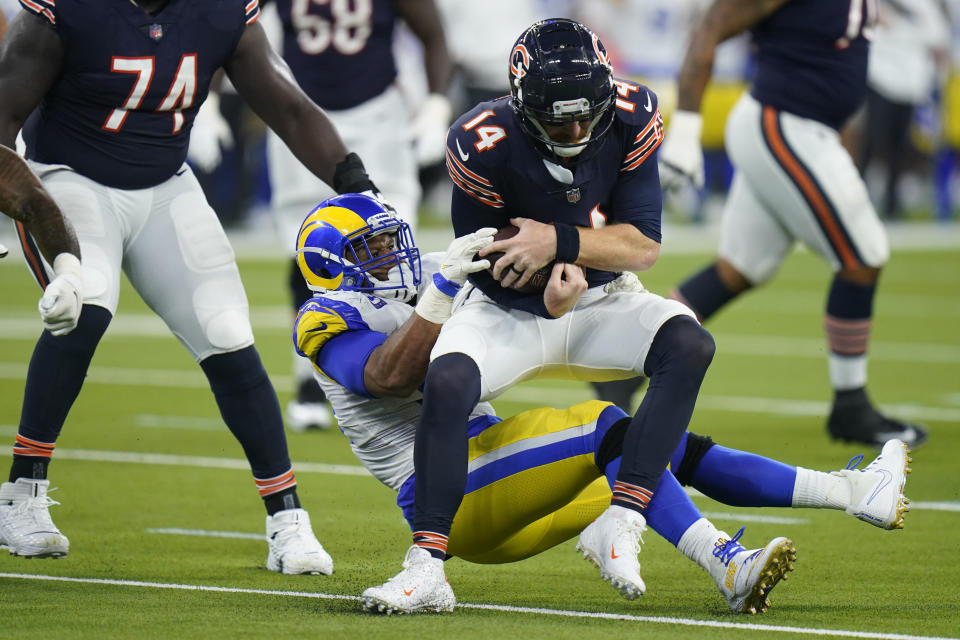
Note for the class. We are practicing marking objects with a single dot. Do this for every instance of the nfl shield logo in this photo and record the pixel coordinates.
(156, 31)
(573, 195)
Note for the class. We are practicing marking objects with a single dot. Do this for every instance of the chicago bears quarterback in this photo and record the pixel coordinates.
(794, 181)
(111, 90)
(342, 55)
(537, 478)
(567, 158)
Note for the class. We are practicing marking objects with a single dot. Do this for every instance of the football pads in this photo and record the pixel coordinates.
(332, 248)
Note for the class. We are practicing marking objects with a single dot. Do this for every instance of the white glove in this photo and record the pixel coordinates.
(210, 132)
(436, 301)
(3, 251)
(63, 298)
(428, 129)
(681, 156)
(627, 282)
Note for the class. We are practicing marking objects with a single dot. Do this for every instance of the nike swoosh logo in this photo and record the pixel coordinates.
(887, 479)
(463, 156)
(407, 593)
(322, 327)
(649, 105)
(613, 556)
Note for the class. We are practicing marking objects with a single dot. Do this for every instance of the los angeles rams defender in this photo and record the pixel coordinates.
(342, 55)
(794, 180)
(111, 90)
(538, 478)
(568, 157)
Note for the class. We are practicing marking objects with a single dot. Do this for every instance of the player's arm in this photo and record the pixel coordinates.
(723, 19)
(23, 198)
(266, 83)
(31, 56)
(3, 24)
(424, 21)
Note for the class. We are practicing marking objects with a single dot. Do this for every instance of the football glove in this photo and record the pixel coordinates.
(436, 301)
(63, 298)
(681, 156)
(210, 134)
(428, 129)
(3, 251)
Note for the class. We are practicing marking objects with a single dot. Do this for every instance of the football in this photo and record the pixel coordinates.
(538, 282)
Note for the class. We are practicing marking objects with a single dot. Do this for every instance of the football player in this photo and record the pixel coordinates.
(568, 157)
(111, 90)
(794, 181)
(342, 54)
(24, 199)
(537, 478)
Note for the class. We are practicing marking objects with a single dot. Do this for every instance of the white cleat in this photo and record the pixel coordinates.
(877, 489)
(293, 549)
(421, 586)
(746, 576)
(302, 416)
(611, 543)
(26, 528)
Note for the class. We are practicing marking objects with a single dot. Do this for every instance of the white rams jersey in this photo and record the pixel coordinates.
(381, 430)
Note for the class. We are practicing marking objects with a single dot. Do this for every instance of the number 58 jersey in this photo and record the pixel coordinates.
(131, 82)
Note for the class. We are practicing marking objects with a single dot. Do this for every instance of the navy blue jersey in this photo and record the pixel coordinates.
(341, 53)
(812, 58)
(500, 174)
(122, 108)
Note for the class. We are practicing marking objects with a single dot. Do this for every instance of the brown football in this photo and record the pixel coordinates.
(538, 282)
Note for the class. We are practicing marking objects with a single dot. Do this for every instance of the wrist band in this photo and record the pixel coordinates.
(349, 176)
(446, 287)
(568, 242)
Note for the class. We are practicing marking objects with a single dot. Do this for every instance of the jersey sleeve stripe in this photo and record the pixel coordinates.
(45, 8)
(646, 143)
(469, 186)
(467, 172)
(252, 11)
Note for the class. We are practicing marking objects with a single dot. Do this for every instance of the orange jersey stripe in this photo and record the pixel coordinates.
(808, 189)
(33, 260)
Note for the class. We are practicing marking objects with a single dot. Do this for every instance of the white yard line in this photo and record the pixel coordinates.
(685, 622)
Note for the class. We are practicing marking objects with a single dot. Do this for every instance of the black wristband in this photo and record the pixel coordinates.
(349, 176)
(568, 242)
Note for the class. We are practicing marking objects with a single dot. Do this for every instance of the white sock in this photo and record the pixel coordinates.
(820, 490)
(698, 542)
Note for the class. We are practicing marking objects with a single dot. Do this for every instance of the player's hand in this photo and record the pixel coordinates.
(428, 129)
(210, 134)
(567, 283)
(459, 262)
(3, 251)
(681, 155)
(63, 298)
(534, 247)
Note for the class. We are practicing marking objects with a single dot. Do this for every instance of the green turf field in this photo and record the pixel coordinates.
(144, 467)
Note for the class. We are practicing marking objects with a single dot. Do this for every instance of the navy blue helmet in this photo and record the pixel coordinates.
(560, 72)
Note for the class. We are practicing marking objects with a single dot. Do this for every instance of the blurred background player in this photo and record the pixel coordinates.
(371, 357)
(794, 180)
(342, 55)
(119, 86)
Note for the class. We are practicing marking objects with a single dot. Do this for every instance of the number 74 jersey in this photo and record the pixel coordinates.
(131, 83)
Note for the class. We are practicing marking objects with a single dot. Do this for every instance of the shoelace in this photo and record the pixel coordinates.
(726, 550)
(854, 461)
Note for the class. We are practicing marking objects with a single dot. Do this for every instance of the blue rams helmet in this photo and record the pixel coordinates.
(332, 249)
(560, 72)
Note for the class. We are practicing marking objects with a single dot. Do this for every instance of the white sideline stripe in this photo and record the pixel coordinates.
(204, 533)
(132, 457)
(526, 393)
(746, 517)
(689, 622)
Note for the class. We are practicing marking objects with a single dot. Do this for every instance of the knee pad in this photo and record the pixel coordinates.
(697, 447)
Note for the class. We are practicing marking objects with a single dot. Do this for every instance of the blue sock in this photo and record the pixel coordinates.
(742, 479)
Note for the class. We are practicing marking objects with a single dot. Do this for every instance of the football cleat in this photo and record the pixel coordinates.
(611, 543)
(302, 416)
(854, 419)
(421, 586)
(745, 577)
(293, 549)
(877, 489)
(26, 528)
